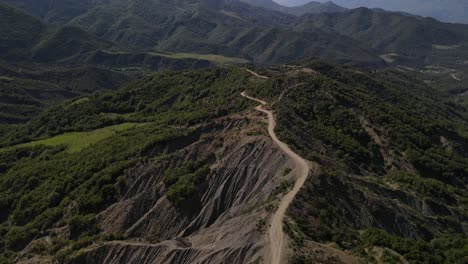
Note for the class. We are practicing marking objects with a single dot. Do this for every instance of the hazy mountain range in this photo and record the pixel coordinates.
(444, 10)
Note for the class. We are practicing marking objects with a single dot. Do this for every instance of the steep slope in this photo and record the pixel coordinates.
(232, 29)
(276, 253)
(215, 202)
(25, 92)
(392, 154)
(60, 11)
(228, 28)
(269, 35)
(409, 39)
(28, 87)
(42, 64)
(450, 11)
(28, 39)
(20, 33)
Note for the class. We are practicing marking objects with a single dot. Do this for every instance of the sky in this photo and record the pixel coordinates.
(292, 2)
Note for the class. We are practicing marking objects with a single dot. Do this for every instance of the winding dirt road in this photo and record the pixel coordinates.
(455, 77)
(276, 252)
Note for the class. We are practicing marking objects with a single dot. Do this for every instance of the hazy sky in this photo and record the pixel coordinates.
(292, 2)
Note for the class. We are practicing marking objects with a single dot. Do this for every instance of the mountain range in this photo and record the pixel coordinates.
(126, 39)
(453, 11)
(234, 29)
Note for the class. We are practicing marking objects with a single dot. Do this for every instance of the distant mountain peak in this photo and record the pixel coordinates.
(307, 7)
(443, 10)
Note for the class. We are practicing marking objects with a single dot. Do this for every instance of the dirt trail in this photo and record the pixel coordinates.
(276, 252)
(455, 77)
(256, 74)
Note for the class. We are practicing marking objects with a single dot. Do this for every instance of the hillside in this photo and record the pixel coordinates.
(392, 155)
(453, 11)
(24, 92)
(266, 35)
(53, 11)
(42, 64)
(231, 29)
(410, 41)
(27, 87)
(184, 145)
(28, 39)
(20, 33)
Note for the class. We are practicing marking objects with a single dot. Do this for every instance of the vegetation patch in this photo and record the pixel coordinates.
(427, 188)
(450, 249)
(208, 57)
(77, 141)
(183, 182)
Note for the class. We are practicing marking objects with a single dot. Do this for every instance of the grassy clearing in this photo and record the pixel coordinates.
(80, 101)
(209, 57)
(5, 78)
(76, 141)
(443, 47)
(115, 116)
(179, 56)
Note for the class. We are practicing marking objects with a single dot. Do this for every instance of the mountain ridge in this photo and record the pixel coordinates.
(306, 8)
(453, 11)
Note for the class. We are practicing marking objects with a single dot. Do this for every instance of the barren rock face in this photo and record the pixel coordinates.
(222, 223)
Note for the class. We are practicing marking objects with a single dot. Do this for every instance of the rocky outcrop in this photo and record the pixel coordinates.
(222, 223)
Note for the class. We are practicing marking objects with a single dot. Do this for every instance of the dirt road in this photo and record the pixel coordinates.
(277, 243)
(455, 77)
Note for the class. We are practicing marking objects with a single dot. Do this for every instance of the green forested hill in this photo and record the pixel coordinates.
(412, 40)
(24, 92)
(236, 29)
(52, 11)
(393, 156)
(42, 64)
(228, 28)
(165, 105)
(384, 138)
(20, 32)
(26, 38)
(231, 29)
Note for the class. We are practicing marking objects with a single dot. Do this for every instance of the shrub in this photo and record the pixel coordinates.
(429, 188)
(183, 182)
(82, 224)
(18, 237)
(450, 249)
